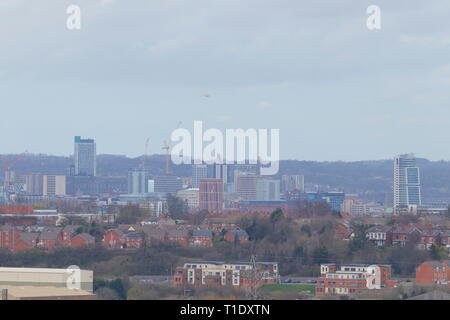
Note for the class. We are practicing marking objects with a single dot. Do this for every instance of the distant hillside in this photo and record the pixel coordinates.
(370, 179)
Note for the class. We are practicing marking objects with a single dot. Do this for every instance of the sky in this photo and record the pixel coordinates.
(136, 69)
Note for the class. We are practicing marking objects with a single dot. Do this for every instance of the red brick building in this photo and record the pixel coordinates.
(433, 272)
(211, 195)
(201, 238)
(236, 235)
(16, 209)
(349, 279)
(133, 240)
(179, 236)
(49, 238)
(8, 237)
(114, 239)
(215, 274)
(82, 240)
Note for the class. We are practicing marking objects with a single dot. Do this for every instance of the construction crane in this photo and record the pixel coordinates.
(167, 146)
(144, 158)
(7, 169)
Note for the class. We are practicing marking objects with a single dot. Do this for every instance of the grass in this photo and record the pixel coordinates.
(289, 287)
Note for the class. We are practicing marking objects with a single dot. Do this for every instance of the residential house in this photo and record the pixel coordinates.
(49, 238)
(380, 235)
(433, 272)
(114, 239)
(181, 236)
(133, 240)
(82, 240)
(428, 239)
(201, 238)
(401, 235)
(236, 235)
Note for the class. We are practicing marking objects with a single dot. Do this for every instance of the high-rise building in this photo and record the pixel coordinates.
(199, 171)
(246, 186)
(292, 182)
(138, 181)
(267, 189)
(168, 184)
(406, 181)
(211, 195)
(54, 185)
(190, 197)
(85, 157)
(34, 184)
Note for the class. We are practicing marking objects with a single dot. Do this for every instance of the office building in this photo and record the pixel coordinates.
(334, 198)
(85, 157)
(167, 184)
(406, 181)
(138, 181)
(246, 186)
(34, 184)
(211, 195)
(267, 189)
(191, 197)
(199, 171)
(292, 182)
(54, 185)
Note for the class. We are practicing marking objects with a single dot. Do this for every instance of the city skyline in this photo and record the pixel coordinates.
(312, 70)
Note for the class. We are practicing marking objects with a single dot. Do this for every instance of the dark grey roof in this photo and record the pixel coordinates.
(202, 233)
(178, 233)
(49, 235)
(29, 236)
(71, 228)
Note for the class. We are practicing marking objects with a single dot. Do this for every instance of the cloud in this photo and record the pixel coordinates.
(264, 105)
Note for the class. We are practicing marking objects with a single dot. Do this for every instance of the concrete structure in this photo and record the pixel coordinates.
(168, 184)
(246, 186)
(267, 189)
(138, 179)
(191, 197)
(40, 277)
(54, 185)
(44, 293)
(85, 157)
(292, 182)
(199, 171)
(34, 184)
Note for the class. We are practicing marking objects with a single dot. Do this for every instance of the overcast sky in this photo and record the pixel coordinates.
(336, 90)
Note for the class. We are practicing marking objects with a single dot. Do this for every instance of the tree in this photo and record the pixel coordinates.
(320, 255)
(359, 241)
(276, 216)
(130, 214)
(176, 207)
(438, 253)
